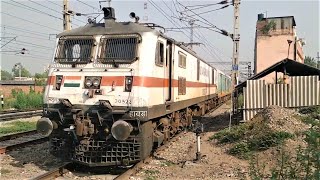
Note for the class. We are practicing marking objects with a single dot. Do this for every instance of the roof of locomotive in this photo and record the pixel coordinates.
(112, 27)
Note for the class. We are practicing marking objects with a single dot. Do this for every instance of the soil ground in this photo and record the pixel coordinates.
(178, 161)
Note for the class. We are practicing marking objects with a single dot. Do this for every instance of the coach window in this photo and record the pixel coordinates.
(182, 59)
(160, 54)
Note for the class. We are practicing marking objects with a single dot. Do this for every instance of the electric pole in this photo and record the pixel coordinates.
(191, 23)
(236, 40)
(66, 16)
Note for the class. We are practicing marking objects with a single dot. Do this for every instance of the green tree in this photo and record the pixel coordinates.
(5, 75)
(41, 78)
(310, 61)
(24, 72)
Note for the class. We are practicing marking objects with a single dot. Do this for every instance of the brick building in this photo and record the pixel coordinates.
(276, 39)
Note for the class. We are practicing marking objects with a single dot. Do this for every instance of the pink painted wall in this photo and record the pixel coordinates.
(273, 47)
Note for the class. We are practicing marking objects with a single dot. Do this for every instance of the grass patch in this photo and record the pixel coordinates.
(17, 126)
(250, 137)
(225, 136)
(167, 163)
(151, 174)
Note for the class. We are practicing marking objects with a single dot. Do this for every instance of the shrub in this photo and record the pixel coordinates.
(28, 101)
(228, 136)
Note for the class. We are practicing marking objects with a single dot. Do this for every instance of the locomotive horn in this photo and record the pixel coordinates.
(121, 130)
(45, 126)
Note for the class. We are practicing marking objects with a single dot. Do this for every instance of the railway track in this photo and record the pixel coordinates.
(55, 173)
(10, 115)
(17, 140)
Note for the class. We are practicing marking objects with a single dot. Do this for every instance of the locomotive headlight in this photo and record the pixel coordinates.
(88, 82)
(96, 82)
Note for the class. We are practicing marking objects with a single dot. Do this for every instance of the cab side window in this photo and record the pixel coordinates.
(159, 54)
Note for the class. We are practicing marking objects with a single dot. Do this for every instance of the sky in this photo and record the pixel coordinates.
(33, 25)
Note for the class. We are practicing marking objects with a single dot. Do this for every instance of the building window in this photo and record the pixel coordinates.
(182, 60)
(182, 86)
(160, 54)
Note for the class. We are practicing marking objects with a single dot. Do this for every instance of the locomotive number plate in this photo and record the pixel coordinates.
(138, 113)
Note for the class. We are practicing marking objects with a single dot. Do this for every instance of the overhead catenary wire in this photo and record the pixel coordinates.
(88, 5)
(175, 24)
(24, 30)
(32, 37)
(208, 29)
(33, 9)
(33, 45)
(165, 15)
(55, 11)
(23, 6)
(55, 3)
(8, 14)
(214, 26)
(30, 49)
(202, 38)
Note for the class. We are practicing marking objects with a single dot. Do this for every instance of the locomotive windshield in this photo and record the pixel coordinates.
(120, 49)
(74, 50)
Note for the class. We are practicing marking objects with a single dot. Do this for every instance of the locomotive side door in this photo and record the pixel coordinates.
(168, 72)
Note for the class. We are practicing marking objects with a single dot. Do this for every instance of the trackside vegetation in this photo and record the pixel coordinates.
(301, 161)
(23, 101)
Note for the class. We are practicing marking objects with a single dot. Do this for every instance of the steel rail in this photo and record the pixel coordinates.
(18, 142)
(55, 173)
(17, 135)
(17, 115)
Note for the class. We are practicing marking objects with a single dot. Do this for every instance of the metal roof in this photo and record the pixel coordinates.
(112, 27)
(292, 68)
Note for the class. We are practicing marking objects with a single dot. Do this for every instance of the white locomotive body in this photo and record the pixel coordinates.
(118, 89)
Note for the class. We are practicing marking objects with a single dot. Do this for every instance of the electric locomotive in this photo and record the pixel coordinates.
(116, 90)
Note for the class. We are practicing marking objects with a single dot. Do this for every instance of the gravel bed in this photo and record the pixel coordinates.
(27, 162)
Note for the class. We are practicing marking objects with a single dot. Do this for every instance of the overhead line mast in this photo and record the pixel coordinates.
(66, 16)
(236, 40)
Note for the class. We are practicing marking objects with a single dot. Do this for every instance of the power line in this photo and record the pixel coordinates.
(205, 12)
(33, 9)
(164, 14)
(30, 55)
(175, 24)
(202, 38)
(88, 5)
(29, 21)
(23, 6)
(214, 26)
(59, 12)
(55, 11)
(54, 3)
(32, 37)
(24, 30)
(211, 4)
(33, 45)
(30, 49)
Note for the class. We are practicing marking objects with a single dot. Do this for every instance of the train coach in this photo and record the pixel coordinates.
(116, 90)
